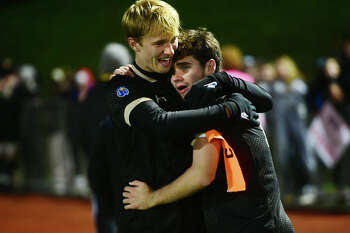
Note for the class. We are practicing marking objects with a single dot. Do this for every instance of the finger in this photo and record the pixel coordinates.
(127, 194)
(129, 207)
(126, 201)
(124, 69)
(135, 182)
(120, 71)
(129, 189)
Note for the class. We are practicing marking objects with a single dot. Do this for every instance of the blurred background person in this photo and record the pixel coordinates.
(250, 66)
(232, 62)
(288, 126)
(266, 75)
(59, 144)
(326, 92)
(344, 76)
(102, 174)
(265, 78)
(325, 86)
(34, 163)
(344, 82)
(13, 94)
(78, 128)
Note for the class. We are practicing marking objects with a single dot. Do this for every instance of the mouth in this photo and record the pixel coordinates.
(166, 62)
(182, 89)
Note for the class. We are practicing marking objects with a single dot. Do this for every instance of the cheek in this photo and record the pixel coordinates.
(149, 53)
(172, 81)
(197, 75)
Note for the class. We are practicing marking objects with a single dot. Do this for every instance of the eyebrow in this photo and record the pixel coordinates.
(182, 63)
(161, 41)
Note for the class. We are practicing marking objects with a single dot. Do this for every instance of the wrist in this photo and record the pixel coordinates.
(153, 200)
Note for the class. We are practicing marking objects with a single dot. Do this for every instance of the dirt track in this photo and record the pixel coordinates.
(41, 214)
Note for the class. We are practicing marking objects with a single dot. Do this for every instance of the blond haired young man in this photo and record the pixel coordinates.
(148, 125)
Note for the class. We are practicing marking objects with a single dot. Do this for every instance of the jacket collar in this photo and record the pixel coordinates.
(151, 77)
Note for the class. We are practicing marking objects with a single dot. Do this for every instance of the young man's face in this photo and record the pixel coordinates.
(187, 71)
(155, 53)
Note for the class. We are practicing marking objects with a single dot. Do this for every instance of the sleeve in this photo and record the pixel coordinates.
(149, 117)
(212, 87)
(130, 106)
(123, 95)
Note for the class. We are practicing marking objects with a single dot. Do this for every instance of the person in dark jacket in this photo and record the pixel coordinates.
(102, 158)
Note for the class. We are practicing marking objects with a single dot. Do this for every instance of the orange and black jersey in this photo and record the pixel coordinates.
(258, 208)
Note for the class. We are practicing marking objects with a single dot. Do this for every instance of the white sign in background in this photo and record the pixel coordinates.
(329, 135)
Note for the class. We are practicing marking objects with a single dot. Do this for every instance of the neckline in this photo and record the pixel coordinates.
(149, 76)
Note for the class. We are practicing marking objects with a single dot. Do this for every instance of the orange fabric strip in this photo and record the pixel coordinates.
(234, 176)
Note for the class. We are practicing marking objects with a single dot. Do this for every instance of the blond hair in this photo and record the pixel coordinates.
(293, 71)
(150, 17)
(231, 57)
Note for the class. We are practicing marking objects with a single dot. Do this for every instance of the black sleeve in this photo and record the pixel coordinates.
(212, 87)
(131, 107)
(149, 117)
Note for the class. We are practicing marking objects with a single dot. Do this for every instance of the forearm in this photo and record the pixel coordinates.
(138, 195)
(185, 185)
(197, 177)
(149, 117)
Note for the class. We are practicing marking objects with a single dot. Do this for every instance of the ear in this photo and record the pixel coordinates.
(210, 67)
(134, 45)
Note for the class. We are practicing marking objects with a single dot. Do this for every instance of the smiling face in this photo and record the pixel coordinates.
(154, 53)
(187, 71)
(152, 27)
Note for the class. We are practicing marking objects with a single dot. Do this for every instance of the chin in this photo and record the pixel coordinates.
(163, 70)
(183, 95)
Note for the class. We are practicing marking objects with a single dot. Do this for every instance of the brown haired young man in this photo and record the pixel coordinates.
(148, 143)
(229, 206)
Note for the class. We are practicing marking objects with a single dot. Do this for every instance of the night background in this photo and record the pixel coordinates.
(72, 33)
(48, 131)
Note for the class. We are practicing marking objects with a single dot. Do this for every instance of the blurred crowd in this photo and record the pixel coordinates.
(48, 140)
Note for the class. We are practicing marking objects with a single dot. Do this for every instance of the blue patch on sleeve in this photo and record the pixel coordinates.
(122, 91)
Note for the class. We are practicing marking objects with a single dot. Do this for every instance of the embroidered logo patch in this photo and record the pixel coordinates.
(211, 85)
(122, 91)
(244, 116)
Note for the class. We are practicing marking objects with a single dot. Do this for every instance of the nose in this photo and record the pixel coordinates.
(169, 49)
(176, 77)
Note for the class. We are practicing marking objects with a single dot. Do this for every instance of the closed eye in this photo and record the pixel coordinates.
(159, 42)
